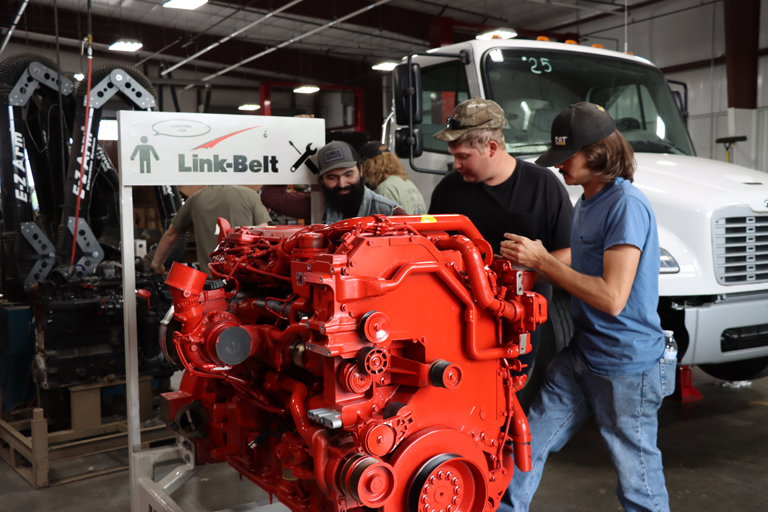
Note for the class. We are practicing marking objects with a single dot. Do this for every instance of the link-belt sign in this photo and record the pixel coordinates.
(164, 148)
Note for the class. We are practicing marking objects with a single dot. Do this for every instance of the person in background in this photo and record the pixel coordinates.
(500, 193)
(614, 366)
(241, 206)
(385, 174)
(344, 190)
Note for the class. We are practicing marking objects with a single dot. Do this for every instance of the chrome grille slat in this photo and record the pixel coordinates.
(740, 246)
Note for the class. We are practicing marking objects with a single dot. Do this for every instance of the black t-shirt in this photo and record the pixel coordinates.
(532, 203)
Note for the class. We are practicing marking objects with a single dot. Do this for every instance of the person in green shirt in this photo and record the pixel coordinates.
(241, 206)
(385, 174)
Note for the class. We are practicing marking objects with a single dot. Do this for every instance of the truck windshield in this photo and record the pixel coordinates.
(532, 86)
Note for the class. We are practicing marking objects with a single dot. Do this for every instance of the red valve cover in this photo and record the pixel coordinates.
(368, 363)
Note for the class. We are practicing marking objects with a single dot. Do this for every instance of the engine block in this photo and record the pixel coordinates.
(368, 363)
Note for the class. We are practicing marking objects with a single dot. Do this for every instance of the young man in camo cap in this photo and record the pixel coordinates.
(499, 193)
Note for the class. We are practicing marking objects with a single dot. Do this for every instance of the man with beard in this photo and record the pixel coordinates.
(344, 190)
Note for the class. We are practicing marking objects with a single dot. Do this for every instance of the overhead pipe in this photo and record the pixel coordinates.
(230, 36)
(293, 40)
(13, 25)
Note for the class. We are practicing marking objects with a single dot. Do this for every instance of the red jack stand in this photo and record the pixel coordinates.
(684, 390)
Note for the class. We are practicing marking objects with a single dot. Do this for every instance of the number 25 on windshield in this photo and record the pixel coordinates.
(539, 66)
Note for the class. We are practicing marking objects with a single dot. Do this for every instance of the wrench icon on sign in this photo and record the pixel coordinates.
(305, 159)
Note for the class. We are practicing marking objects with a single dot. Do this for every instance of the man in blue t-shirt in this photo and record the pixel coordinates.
(614, 366)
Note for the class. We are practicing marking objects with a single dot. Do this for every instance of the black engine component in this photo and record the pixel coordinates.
(79, 332)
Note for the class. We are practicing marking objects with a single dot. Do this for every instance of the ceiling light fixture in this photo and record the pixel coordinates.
(126, 45)
(385, 66)
(502, 33)
(306, 89)
(189, 5)
(249, 106)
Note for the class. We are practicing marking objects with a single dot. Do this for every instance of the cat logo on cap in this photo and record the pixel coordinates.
(561, 141)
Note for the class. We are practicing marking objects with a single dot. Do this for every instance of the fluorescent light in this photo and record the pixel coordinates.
(385, 66)
(188, 5)
(126, 45)
(107, 129)
(505, 33)
(306, 89)
(249, 106)
(79, 77)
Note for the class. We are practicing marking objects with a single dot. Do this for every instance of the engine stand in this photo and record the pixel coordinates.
(684, 389)
(152, 495)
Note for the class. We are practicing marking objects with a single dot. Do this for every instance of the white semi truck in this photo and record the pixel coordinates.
(712, 216)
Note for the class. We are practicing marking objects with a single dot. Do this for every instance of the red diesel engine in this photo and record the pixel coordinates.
(363, 364)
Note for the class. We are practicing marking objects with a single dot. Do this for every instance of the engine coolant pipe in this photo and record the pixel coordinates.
(521, 436)
(186, 286)
(366, 479)
(478, 278)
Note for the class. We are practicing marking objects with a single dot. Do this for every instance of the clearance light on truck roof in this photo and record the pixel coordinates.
(502, 33)
(542, 38)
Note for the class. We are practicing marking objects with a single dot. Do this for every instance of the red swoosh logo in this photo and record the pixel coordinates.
(216, 141)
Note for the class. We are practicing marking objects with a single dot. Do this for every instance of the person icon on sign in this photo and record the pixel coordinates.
(143, 151)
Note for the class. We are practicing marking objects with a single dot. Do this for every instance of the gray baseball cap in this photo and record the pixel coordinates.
(473, 114)
(336, 155)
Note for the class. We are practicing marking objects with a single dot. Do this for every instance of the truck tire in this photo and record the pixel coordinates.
(555, 334)
(749, 369)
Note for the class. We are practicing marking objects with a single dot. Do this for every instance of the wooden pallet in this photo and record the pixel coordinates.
(32, 455)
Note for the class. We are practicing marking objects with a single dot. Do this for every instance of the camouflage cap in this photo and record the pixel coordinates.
(473, 114)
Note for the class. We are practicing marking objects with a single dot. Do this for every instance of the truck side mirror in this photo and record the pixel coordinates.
(402, 92)
(404, 141)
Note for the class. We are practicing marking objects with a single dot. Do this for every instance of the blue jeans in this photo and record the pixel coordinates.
(625, 408)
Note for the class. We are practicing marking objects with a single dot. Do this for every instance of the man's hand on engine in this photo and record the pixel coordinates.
(523, 251)
(158, 269)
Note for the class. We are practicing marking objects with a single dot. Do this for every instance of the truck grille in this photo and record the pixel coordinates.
(740, 243)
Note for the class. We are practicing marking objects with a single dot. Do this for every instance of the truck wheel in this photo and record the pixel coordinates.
(555, 334)
(749, 369)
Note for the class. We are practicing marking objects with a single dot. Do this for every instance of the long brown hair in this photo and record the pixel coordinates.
(381, 167)
(610, 158)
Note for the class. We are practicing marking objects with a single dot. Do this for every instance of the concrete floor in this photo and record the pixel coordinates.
(715, 455)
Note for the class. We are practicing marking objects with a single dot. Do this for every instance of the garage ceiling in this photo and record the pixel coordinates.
(321, 51)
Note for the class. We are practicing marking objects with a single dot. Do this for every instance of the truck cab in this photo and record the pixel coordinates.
(712, 216)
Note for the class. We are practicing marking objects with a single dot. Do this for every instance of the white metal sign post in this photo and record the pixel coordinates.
(161, 148)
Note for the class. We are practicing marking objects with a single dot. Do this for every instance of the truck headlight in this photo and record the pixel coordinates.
(668, 263)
